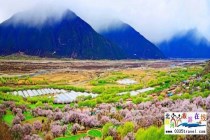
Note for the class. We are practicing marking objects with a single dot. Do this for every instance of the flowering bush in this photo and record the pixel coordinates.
(9, 104)
(57, 110)
(37, 125)
(64, 129)
(208, 102)
(48, 114)
(32, 137)
(129, 136)
(37, 112)
(47, 107)
(75, 128)
(67, 108)
(16, 110)
(105, 106)
(90, 122)
(104, 119)
(58, 115)
(198, 101)
(2, 110)
(16, 120)
(21, 116)
(113, 132)
(17, 131)
(27, 129)
(22, 107)
(56, 130)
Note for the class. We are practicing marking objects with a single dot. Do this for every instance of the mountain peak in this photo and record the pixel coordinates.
(190, 44)
(42, 17)
(63, 35)
(132, 42)
(68, 14)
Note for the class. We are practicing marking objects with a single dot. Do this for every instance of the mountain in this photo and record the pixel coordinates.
(69, 36)
(187, 45)
(132, 42)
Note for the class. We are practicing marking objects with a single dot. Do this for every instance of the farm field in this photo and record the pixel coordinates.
(99, 100)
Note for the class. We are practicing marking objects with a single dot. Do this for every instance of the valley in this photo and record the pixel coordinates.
(50, 98)
(104, 70)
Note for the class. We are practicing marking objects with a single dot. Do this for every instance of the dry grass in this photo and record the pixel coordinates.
(68, 77)
(84, 77)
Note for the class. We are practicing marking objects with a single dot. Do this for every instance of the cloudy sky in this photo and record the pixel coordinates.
(157, 20)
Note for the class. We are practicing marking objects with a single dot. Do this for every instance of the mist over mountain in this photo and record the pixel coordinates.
(64, 36)
(190, 44)
(133, 44)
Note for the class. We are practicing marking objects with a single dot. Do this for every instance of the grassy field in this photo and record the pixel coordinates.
(94, 133)
(8, 119)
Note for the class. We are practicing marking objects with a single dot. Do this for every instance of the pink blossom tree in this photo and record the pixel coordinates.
(16, 110)
(21, 116)
(56, 130)
(75, 128)
(32, 137)
(16, 120)
(17, 131)
(2, 110)
(58, 115)
(37, 125)
(104, 120)
(129, 136)
(64, 129)
(67, 108)
(198, 101)
(27, 129)
(9, 104)
(208, 102)
(113, 132)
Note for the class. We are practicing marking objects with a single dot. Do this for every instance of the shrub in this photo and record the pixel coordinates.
(21, 116)
(27, 129)
(56, 130)
(5, 89)
(174, 97)
(138, 100)
(129, 136)
(17, 131)
(2, 110)
(39, 103)
(153, 133)
(64, 129)
(109, 138)
(105, 129)
(186, 96)
(208, 102)
(113, 132)
(58, 115)
(75, 128)
(37, 125)
(16, 120)
(104, 119)
(160, 98)
(32, 137)
(126, 128)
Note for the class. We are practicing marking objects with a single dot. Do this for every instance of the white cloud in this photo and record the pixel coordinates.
(155, 19)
